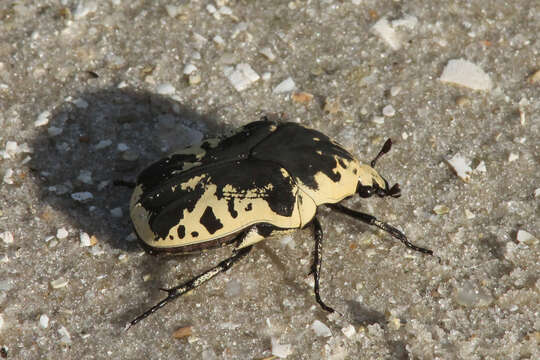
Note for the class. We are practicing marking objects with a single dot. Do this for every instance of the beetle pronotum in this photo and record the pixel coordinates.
(265, 179)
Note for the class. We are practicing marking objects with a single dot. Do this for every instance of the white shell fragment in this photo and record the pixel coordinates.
(286, 85)
(82, 196)
(462, 167)
(242, 76)
(348, 331)
(321, 329)
(62, 233)
(441, 209)
(165, 89)
(389, 111)
(465, 73)
(8, 179)
(43, 321)
(526, 237)
(7, 237)
(42, 119)
(385, 31)
(189, 68)
(281, 350)
(85, 239)
(59, 283)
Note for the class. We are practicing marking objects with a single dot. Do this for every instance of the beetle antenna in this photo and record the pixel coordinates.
(386, 148)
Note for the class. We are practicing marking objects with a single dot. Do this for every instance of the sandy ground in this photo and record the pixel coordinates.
(93, 91)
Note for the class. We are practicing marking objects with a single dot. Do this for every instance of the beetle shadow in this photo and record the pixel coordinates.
(103, 135)
(362, 316)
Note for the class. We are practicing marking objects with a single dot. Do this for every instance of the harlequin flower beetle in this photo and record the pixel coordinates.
(265, 179)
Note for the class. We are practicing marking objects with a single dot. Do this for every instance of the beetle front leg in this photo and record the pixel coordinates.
(180, 290)
(317, 262)
(372, 220)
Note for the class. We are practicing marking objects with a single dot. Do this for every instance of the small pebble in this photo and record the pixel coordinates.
(280, 350)
(42, 119)
(462, 167)
(85, 239)
(117, 212)
(463, 101)
(84, 8)
(182, 332)
(481, 168)
(65, 336)
(286, 85)
(302, 97)
(59, 283)
(379, 120)
(469, 215)
(389, 111)
(218, 40)
(189, 68)
(61, 233)
(526, 237)
(348, 331)
(267, 52)
(8, 176)
(441, 209)
(321, 329)
(537, 193)
(395, 90)
(54, 131)
(241, 77)
(80, 103)
(85, 176)
(82, 196)
(103, 144)
(386, 32)
(122, 147)
(7, 237)
(465, 73)
(43, 321)
(513, 157)
(165, 89)
(535, 78)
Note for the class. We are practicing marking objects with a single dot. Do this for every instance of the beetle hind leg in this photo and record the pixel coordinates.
(180, 290)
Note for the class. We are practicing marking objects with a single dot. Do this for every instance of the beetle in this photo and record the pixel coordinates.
(264, 179)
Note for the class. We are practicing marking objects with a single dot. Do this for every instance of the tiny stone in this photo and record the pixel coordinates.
(146, 277)
(267, 52)
(389, 111)
(384, 30)
(11, 148)
(122, 257)
(302, 97)
(395, 323)
(66, 338)
(172, 10)
(189, 68)
(348, 331)
(286, 85)
(7, 237)
(465, 73)
(331, 106)
(130, 155)
(321, 329)
(82, 196)
(131, 237)
(182, 332)
(42, 119)
(441, 209)
(242, 76)
(266, 76)
(461, 166)
(513, 157)
(395, 90)
(537, 193)
(85, 239)
(218, 40)
(463, 101)
(194, 79)
(280, 350)
(62, 233)
(59, 283)
(379, 120)
(469, 215)
(526, 237)
(165, 89)
(535, 78)
(122, 147)
(481, 168)
(117, 212)
(103, 144)
(43, 321)
(8, 176)
(84, 8)
(85, 176)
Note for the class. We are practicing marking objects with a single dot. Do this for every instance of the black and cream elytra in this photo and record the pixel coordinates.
(265, 179)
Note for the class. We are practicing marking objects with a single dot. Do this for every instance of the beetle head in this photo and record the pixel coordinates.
(371, 183)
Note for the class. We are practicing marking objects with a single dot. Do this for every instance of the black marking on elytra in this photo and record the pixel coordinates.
(292, 146)
(181, 231)
(230, 207)
(194, 234)
(209, 220)
(249, 207)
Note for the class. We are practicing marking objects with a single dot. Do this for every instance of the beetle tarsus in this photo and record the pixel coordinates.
(372, 220)
(180, 290)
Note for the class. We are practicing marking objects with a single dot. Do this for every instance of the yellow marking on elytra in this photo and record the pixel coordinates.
(192, 183)
(368, 175)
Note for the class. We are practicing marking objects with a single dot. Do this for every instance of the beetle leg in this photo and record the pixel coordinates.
(180, 290)
(372, 220)
(317, 260)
